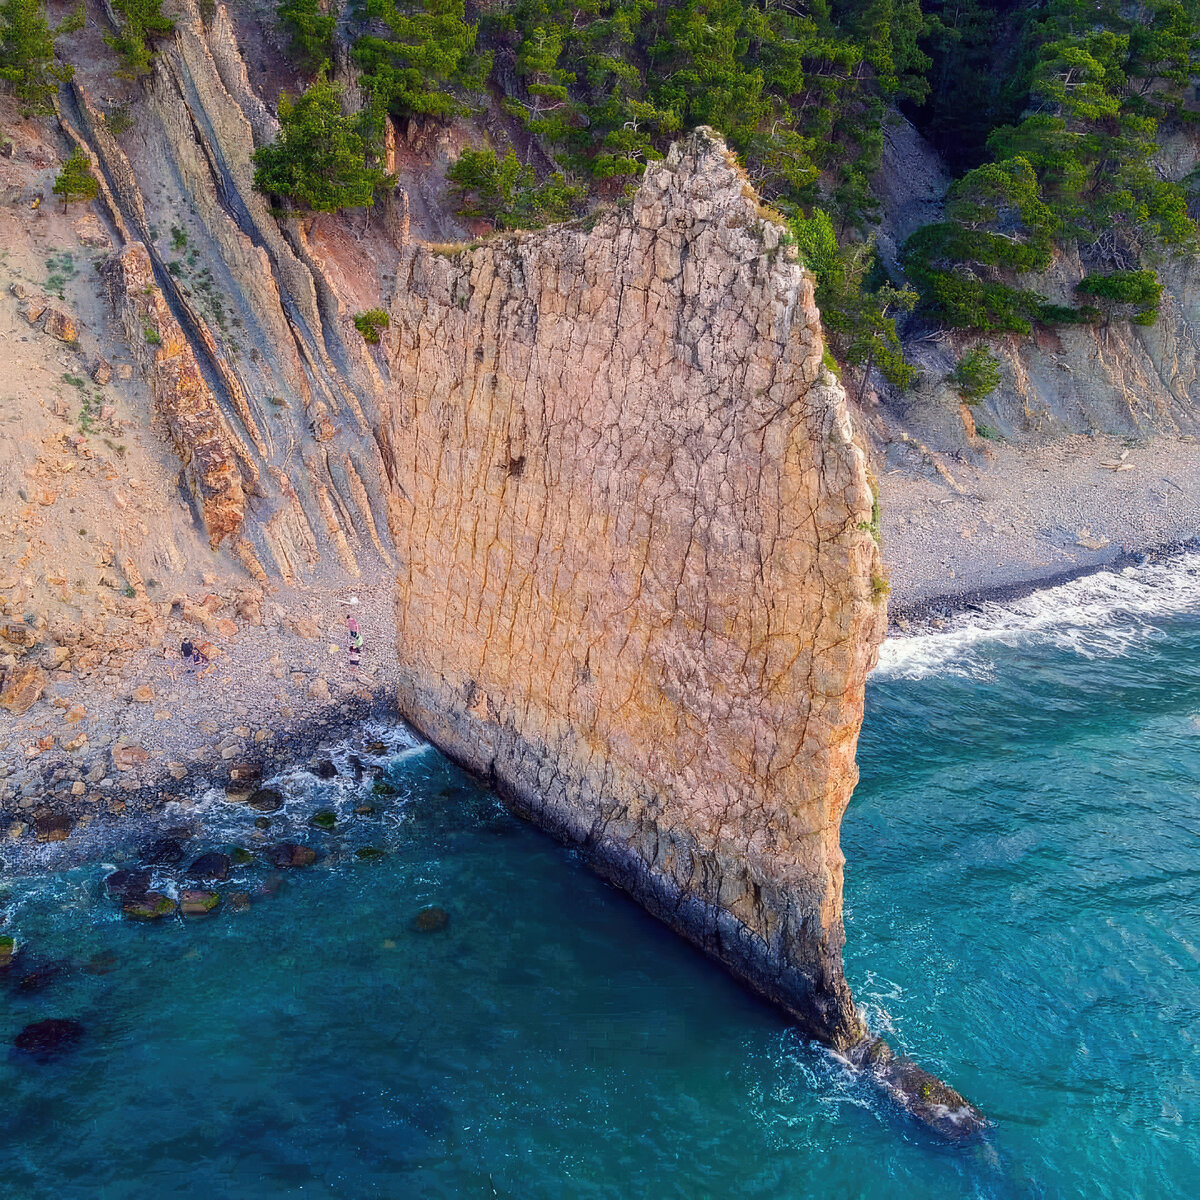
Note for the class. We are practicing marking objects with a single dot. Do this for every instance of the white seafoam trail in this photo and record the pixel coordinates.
(1096, 616)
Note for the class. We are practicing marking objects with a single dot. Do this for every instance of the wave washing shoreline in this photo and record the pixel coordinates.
(1094, 611)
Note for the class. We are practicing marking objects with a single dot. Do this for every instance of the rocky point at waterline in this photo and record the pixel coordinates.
(640, 589)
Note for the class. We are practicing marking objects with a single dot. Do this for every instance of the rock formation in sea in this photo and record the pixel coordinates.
(639, 589)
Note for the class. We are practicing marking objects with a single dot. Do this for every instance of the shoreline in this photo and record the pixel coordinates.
(928, 611)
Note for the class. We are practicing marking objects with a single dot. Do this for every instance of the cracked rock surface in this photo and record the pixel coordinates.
(638, 587)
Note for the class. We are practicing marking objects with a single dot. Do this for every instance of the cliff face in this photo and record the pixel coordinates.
(639, 590)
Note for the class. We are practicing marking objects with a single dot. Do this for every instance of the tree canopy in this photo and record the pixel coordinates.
(319, 161)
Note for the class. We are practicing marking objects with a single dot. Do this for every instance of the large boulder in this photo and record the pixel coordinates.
(213, 865)
(152, 906)
(22, 688)
(194, 902)
(288, 854)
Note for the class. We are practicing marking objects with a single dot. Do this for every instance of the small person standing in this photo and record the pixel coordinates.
(356, 644)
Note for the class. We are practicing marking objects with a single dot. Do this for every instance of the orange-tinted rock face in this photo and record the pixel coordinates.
(637, 573)
(198, 430)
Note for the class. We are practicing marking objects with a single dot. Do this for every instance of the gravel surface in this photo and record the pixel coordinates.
(155, 732)
(1027, 517)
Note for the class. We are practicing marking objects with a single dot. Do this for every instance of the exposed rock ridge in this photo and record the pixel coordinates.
(639, 589)
(198, 430)
(292, 399)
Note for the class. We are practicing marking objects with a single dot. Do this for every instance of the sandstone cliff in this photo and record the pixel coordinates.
(639, 589)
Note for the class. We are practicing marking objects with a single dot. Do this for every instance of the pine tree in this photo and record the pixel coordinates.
(75, 182)
(319, 159)
(27, 62)
(142, 21)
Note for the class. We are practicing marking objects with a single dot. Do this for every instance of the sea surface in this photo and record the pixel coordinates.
(1022, 914)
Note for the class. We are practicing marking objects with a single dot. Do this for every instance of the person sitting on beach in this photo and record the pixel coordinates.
(192, 655)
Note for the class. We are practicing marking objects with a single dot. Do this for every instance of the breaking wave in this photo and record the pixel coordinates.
(1096, 616)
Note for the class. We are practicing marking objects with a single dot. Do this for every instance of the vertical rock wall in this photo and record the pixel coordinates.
(638, 587)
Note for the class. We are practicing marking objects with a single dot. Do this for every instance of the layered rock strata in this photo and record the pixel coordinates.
(639, 589)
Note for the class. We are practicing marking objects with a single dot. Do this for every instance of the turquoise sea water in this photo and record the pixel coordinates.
(1022, 909)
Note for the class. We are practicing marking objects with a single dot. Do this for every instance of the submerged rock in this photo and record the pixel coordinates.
(364, 810)
(102, 962)
(370, 853)
(289, 854)
(213, 865)
(7, 946)
(266, 800)
(194, 902)
(323, 768)
(44, 1041)
(240, 856)
(431, 920)
(239, 901)
(153, 906)
(163, 852)
(921, 1095)
(126, 884)
(262, 822)
(325, 819)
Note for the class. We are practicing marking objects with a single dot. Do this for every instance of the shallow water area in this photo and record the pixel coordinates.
(1022, 909)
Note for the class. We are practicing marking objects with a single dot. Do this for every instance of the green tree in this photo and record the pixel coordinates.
(142, 23)
(319, 160)
(506, 191)
(976, 375)
(858, 304)
(424, 64)
(311, 28)
(1124, 295)
(75, 180)
(27, 62)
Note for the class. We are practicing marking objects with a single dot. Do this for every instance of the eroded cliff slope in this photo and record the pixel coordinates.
(638, 586)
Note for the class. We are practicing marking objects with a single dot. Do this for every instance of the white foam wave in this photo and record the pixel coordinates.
(1100, 615)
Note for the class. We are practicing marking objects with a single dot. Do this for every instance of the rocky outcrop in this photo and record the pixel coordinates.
(198, 430)
(639, 589)
(267, 389)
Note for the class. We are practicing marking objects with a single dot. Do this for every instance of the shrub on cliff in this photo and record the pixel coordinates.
(506, 191)
(142, 22)
(311, 30)
(27, 63)
(319, 160)
(75, 181)
(976, 375)
(370, 323)
(1128, 295)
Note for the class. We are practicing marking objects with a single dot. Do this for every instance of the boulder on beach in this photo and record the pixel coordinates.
(52, 826)
(195, 902)
(288, 854)
(431, 920)
(323, 768)
(44, 1041)
(213, 865)
(266, 800)
(127, 884)
(152, 906)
